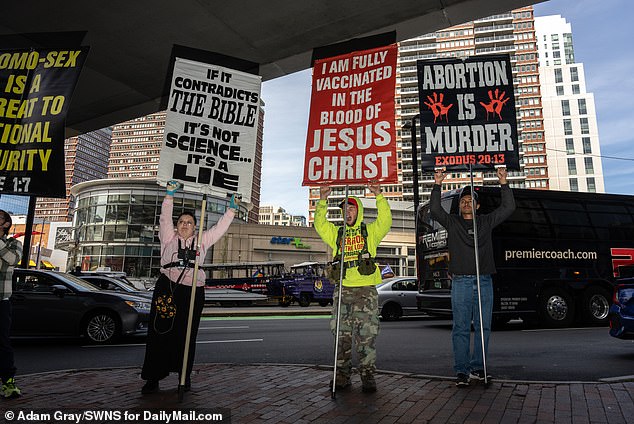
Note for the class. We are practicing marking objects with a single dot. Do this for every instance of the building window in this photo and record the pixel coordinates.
(559, 78)
(570, 146)
(583, 110)
(587, 145)
(574, 75)
(585, 127)
(565, 107)
(572, 166)
(589, 165)
(567, 127)
(574, 185)
(575, 89)
(591, 185)
(560, 90)
(568, 50)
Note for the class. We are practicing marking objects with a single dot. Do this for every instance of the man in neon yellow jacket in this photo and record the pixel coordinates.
(359, 302)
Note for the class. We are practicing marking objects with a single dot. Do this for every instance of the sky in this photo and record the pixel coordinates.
(596, 24)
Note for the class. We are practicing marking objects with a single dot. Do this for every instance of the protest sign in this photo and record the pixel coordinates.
(467, 113)
(37, 85)
(351, 135)
(211, 129)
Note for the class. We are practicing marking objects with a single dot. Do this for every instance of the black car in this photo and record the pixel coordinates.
(106, 282)
(56, 304)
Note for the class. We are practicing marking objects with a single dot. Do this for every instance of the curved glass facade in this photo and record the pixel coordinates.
(116, 224)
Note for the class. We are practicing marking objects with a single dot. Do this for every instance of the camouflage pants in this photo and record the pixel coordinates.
(359, 322)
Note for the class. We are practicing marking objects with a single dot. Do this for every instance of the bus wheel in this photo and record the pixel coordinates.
(304, 299)
(596, 305)
(556, 308)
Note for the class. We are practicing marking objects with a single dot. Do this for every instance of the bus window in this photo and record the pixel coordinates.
(529, 218)
(569, 219)
(425, 223)
(611, 221)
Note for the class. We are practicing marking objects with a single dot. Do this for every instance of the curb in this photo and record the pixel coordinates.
(324, 367)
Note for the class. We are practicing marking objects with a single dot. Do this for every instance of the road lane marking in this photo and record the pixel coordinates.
(237, 327)
(197, 342)
(263, 317)
(544, 330)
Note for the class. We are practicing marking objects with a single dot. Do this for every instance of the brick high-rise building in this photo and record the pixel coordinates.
(86, 159)
(136, 147)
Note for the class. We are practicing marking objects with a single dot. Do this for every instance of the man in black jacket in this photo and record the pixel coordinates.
(469, 365)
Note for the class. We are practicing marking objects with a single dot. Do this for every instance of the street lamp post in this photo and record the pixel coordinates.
(412, 126)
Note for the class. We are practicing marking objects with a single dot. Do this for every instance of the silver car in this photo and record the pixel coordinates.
(397, 298)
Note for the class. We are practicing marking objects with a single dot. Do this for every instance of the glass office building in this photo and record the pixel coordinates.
(116, 224)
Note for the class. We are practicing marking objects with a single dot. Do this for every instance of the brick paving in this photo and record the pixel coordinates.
(300, 394)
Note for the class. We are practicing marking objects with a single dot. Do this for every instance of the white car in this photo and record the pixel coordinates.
(397, 298)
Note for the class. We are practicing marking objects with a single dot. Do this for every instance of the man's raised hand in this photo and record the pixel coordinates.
(324, 192)
(439, 175)
(374, 188)
(501, 172)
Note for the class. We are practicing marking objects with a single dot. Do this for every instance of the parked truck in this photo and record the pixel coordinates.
(305, 283)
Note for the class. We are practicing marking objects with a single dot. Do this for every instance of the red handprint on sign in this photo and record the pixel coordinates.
(437, 107)
(497, 101)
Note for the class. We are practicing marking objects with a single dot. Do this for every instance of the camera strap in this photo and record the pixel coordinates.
(186, 257)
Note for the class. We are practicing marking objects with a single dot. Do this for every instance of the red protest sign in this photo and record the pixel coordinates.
(351, 135)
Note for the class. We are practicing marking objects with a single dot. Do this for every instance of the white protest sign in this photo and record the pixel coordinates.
(211, 129)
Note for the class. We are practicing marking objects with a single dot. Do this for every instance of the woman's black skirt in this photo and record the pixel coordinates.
(167, 330)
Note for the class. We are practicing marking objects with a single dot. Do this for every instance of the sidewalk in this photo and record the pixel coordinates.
(299, 394)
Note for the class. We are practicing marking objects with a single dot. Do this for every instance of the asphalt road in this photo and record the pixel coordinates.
(416, 345)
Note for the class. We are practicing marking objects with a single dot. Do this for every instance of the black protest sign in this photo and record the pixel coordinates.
(467, 113)
(37, 85)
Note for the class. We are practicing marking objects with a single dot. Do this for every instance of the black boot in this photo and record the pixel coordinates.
(342, 382)
(368, 385)
(150, 386)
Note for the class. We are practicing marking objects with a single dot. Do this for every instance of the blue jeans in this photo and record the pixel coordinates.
(464, 305)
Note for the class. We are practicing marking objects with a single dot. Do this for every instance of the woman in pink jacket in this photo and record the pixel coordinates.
(170, 303)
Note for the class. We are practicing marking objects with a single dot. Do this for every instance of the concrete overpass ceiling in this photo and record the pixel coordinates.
(131, 41)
